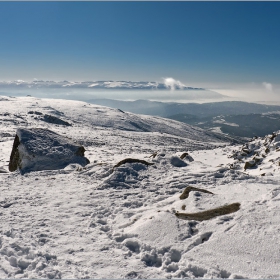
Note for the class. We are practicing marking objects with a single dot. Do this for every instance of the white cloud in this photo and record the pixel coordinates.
(267, 86)
(173, 84)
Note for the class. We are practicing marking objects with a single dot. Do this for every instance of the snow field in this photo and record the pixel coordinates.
(98, 221)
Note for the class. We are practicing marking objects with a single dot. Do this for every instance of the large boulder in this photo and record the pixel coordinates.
(41, 149)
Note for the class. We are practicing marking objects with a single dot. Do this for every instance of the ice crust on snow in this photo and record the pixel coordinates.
(97, 221)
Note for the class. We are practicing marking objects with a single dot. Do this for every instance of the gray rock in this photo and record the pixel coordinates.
(42, 149)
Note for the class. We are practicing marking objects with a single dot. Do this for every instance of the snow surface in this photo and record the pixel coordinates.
(99, 221)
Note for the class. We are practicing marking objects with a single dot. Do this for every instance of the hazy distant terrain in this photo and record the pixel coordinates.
(239, 125)
(233, 117)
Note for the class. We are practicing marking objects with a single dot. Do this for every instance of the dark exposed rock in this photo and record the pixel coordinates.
(153, 155)
(188, 189)
(183, 155)
(14, 163)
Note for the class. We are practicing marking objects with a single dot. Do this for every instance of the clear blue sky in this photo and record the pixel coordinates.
(209, 42)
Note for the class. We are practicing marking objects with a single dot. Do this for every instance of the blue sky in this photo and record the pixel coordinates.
(210, 44)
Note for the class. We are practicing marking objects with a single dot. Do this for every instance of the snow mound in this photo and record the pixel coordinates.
(126, 176)
(42, 149)
(177, 162)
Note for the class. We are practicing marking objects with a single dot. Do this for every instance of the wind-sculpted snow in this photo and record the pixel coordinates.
(105, 220)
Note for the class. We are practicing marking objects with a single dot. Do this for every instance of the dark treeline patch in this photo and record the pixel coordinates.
(209, 214)
(132, 160)
(188, 189)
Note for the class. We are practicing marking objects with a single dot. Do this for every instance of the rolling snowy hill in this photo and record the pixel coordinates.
(116, 219)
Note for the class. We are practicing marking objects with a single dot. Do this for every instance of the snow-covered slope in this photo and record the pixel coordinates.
(91, 125)
(118, 220)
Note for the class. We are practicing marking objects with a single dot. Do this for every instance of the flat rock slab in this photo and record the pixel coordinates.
(42, 149)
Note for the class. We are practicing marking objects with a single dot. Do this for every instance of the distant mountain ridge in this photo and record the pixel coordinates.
(139, 85)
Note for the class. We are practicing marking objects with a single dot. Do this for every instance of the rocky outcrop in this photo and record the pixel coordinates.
(259, 153)
(42, 149)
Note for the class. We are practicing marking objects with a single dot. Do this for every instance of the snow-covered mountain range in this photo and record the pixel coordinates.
(168, 89)
(175, 85)
(122, 215)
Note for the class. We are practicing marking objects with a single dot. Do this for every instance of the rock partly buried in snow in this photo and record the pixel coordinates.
(132, 160)
(186, 156)
(209, 214)
(41, 149)
(249, 164)
(188, 189)
(55, 120)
